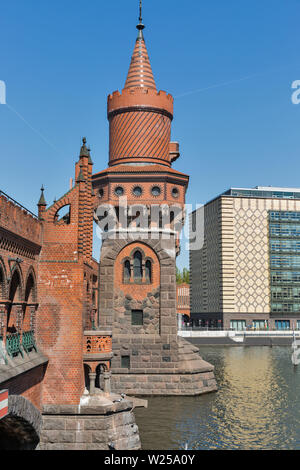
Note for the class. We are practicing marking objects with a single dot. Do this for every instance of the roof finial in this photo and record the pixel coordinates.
(141, 19)
(42, 201)
(140, 26)
(83, 150)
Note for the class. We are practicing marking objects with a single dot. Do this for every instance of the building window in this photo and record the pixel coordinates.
(156, 191)
(127, 271)
(282, 324)
(238, 325)
(175, 192)
(119, 191)
(148, 274)
(137, 317)
(137, 191)
(260, 324)
(137, 269)
(137, 266)
(125, 362)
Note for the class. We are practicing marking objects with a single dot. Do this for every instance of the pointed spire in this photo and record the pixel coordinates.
(80, 178)
(90, 158)
(84, 151)
(140, 72)
(140, 26)
(42, 201)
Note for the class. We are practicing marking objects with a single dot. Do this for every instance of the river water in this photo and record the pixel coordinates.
(257, 405)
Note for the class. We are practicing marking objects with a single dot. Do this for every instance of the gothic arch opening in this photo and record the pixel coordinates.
(15, 295)
(2, 283)
(63, 215)
(17, 434)
(127, 271)
(30, 298)
(20, 429)
(30, 289)
(148, 271)
(137, 266)
(15, 288)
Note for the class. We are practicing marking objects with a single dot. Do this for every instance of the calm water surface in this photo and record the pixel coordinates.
(257, 405)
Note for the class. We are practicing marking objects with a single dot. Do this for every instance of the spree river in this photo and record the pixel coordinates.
(257, 405)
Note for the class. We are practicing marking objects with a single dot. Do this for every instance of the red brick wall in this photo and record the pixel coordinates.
(65, 273)
(29, 385)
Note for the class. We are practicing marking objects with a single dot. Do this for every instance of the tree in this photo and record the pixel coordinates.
(178, 276)
(182, 277)
(186, 276)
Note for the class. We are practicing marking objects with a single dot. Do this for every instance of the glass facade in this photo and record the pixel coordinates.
(284, 237)
(282, 324)
(239, 325)
(237, 192)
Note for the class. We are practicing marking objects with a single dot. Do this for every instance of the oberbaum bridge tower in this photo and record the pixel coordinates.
(138, 203)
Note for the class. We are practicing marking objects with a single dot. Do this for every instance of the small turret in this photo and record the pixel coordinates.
(42, 204)
(80, 178)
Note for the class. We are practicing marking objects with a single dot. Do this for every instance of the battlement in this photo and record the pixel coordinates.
(19, 220)
(140, 97)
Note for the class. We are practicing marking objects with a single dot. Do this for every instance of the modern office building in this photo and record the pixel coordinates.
(246, 272)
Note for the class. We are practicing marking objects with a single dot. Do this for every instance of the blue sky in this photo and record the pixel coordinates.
(229, 66)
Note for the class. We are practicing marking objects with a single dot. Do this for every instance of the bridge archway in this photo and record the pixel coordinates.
(20, 430)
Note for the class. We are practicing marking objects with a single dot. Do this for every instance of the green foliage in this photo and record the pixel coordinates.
(182, 277)
(178, 276)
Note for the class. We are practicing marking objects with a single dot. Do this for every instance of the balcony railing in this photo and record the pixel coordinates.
(97, 344)
(28, 341)
(16, 346)
(13, 345)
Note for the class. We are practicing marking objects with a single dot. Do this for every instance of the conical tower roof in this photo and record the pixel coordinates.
(140, 72)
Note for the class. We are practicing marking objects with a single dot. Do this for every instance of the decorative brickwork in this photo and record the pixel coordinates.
(97, 344)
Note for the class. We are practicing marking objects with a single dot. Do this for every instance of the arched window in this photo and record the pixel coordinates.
(127, 271)
(15, 295)
(63, 215)
(15, 287)
(30, 295)
(148, 273)
(2, 284)
(137, 266)
(30, 298)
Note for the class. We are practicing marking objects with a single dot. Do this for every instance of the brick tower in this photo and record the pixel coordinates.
(139, 204)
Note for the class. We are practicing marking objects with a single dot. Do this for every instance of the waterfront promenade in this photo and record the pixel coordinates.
(208, 336)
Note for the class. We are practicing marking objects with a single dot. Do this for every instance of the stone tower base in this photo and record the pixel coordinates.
(106, 426)
(184, 372)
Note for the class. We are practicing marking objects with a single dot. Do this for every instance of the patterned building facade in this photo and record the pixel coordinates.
(246, 273)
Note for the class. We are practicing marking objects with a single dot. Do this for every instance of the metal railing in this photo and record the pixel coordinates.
(206, 328)
(18, 204)
(28, 341)
(13, 345)
(16, 346)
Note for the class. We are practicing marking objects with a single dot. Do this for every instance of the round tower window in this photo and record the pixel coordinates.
(119, 191)
(175, 192)
(137, 191)
(156, 191)
(101, 193)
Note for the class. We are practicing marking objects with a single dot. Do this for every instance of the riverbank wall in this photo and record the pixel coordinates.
(248, 341)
